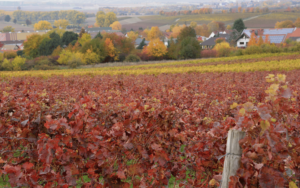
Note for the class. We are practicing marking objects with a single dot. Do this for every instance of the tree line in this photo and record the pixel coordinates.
(73, 16)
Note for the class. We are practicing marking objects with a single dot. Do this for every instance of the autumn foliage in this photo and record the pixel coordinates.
(143, 130)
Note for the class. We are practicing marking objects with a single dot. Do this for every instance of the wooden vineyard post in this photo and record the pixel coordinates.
(233, 156)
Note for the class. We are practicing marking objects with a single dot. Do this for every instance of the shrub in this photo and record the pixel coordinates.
(190, 48)
(132, 58)
(75, 61)
(252, 50)
(17, 63)
(10, 54)
(223, 49)
(90, 57)
(208, 53)
(7, 65)
(66, 55)
(20, 53)
(1, 57)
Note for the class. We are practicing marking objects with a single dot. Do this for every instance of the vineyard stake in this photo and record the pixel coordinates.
(232, 157)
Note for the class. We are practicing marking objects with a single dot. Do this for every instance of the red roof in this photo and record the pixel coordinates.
(1, 45)
(296, 33)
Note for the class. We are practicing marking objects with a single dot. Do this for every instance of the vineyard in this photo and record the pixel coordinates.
(153, 125)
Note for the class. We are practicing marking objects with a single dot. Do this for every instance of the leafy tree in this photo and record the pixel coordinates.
(132, 35)
(90, 57)
(84, 38)
(7, 18)
(297, 23)
(110, 18)
(267, 39)
(156, 48)
(61, 23)
(79, 18)
(186, 32)
(7, 65)
(8, 29)
(223, 49)
(285, 24)
(66, 55)
(193, 24)
(228, 27)
(68, 37)
(239, 25)
(18, 62)
(10, 54)
(111, 50)
(100, 18)
(132, 58)
(28, 22)
(260, 41)
(96, 45)
(116, 26)
(253, 40)
(154, 33)
(42, 25)
(57, 51)
(32, 44)
(82, 31)
(48, 45)
(141, 45)
(15, 21)
(189, 48)
(99, 36)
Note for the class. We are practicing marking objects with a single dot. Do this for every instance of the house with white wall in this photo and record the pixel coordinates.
(276, 36)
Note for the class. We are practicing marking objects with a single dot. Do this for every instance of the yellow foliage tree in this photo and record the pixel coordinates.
(154, 33)
(260, 41)
(31, 45)
(1, 57)
(223, 49)
(253, 40)
(193, 24)
(66, 55)
(100, 19)
(62, 24)
(267, 40)
(57, 51)
(228, 27)
(132, 35)
(297, 23)
(90, 57)
(285, 24)
(110, 18)
(13, 65)
(43, 25)
(156, 48)
(116, 26)
(111, 50)
(84, 38)
(176, 30)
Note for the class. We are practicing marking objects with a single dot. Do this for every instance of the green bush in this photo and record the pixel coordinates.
(74, 62)
(10, 54)
(252, 50)
(132, 58)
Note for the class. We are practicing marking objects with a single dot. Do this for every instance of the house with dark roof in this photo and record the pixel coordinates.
(138, 41)
(211, 42)
(276, 36)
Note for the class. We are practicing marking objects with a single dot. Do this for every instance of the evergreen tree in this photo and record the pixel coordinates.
(68, 37)
(99, 36)
(15, 20)
(7, 18)
(142, 44)
(239, 25)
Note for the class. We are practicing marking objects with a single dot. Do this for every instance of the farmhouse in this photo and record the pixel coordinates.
(11, 45)
(276, 36)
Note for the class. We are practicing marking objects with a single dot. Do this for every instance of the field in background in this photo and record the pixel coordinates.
(247, 63)
(269, 20)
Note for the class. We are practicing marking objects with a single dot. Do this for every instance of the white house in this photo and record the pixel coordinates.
(242, 42)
